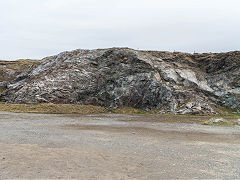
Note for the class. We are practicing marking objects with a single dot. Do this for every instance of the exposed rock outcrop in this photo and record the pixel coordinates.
(170, 82)
(9, 70)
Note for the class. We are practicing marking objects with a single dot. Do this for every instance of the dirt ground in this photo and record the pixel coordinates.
(112, 146)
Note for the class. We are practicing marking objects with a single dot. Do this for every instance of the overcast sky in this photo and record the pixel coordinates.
(39, 28)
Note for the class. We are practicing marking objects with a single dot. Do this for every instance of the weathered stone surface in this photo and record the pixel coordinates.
(171, 82)
(9, 70)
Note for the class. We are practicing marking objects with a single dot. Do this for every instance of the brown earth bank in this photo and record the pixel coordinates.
(177, 83)
(114, 146)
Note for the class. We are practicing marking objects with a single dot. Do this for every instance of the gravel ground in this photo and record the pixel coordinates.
(111, 146)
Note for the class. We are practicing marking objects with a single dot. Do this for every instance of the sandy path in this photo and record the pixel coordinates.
(115, 147)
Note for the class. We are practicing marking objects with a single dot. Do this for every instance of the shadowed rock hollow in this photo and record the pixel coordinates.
(170, 82)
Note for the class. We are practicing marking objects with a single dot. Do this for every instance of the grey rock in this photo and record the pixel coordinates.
(3, 84)
(170, 82)
(238, 122)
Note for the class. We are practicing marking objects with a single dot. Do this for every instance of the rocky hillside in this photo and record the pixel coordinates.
(9, 70)
(169, 82)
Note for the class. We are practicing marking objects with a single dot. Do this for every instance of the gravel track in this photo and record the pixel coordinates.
(112, 146)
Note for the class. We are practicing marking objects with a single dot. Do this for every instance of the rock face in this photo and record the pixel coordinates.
(9, 70)
(170, 82)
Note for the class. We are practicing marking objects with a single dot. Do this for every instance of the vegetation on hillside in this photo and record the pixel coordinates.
(49, 108)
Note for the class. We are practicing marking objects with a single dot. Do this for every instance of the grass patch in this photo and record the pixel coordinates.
(129, 110)
(16, 67)
(229, 115)
(49, 108)
(222, 122)
(225, 111)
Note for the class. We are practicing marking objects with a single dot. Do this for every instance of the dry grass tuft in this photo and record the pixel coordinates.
(129, 110)
(49, 108)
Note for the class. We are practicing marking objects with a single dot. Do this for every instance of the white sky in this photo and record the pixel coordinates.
(39, 28)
